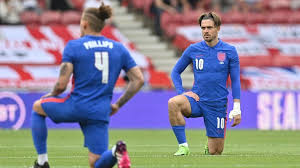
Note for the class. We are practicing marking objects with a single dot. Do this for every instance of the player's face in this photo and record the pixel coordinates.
(209, 30)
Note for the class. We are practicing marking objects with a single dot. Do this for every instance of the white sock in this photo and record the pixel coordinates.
(184, 144)
(113, 150)
(42, 159)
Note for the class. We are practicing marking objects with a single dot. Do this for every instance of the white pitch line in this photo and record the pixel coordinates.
(177, 166)
(147, 156)
(24, 166)
(31, 157)
(80, 145)
(223, 155)
(213, 166)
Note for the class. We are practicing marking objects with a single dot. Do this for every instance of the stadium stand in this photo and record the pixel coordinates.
(51, 17)
(30, 18)
(31, 52)
(70, 17)
(265, 39)
(263, 34)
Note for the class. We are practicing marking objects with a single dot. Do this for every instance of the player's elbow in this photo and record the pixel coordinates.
(60, 90)
(60, 87)
(175, 75)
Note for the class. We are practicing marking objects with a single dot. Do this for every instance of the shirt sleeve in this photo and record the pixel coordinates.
(179, 67)
(127, 59)
(68, 53)
(235, 74)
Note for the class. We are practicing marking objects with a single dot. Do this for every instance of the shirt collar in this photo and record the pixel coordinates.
(216, 46)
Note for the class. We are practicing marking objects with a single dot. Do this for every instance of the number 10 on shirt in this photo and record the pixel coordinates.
(199, 64)
(101, 63)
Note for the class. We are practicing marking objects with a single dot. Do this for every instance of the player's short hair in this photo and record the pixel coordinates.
(96, 16)
(212, 16)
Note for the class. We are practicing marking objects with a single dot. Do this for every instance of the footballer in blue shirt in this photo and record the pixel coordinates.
(95, 63)
(213, 60)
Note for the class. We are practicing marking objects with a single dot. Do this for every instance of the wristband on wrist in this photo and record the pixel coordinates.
(237, 105)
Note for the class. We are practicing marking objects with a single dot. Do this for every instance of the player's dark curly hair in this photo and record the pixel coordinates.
(96, 16)
(212, 16)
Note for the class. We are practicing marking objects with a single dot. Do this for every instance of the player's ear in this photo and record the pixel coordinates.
(85, 24)
(218, 28)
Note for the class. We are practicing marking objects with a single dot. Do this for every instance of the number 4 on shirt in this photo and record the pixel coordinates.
(101, 63)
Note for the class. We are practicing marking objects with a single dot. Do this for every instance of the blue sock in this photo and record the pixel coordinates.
(179, 132)
(107, 160)
(39, 132)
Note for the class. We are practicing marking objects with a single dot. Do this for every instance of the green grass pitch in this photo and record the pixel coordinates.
(154, 149)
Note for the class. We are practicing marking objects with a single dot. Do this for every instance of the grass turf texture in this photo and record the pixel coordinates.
(155, 148)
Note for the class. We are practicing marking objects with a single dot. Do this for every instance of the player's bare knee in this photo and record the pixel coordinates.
(92, 159)
(220, 150)
(92, 165)
(215, 151)
(212, 151)
(36, 106)
(92, 162)
(172, 104)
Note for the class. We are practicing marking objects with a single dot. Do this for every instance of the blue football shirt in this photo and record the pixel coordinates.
(211, 67)
(97, 63)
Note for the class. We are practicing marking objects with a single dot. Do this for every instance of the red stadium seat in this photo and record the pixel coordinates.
(181, 42)
(294, 18)
(71, 17)
(170, 31)
(29, 17)
(50, 17)
(78, 4)
(234, 17)
(255, 18)
(42, 4)
(279, 17)
(120, 82)
(191, 17)
(167, 19)
(159, 80)
(276, 5)
(147, 6)
(138, 4)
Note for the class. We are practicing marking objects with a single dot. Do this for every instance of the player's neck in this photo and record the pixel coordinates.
(213, 42)
(91, 33)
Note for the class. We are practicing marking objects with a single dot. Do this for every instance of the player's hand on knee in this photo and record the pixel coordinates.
(114, 109)
(192, 95)
(235, 114)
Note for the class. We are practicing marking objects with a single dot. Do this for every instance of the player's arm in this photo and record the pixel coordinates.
(179, 67)
(66, 70)
(235, 113)
(135, 76)
(136, 81)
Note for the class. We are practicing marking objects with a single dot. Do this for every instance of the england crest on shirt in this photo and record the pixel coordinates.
(221, 57)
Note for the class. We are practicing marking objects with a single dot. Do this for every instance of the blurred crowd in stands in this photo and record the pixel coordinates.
(158, 7)
(13, 11)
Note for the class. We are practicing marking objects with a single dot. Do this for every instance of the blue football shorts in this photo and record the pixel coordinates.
(214, 117)
(95, 135)
(95, 131)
